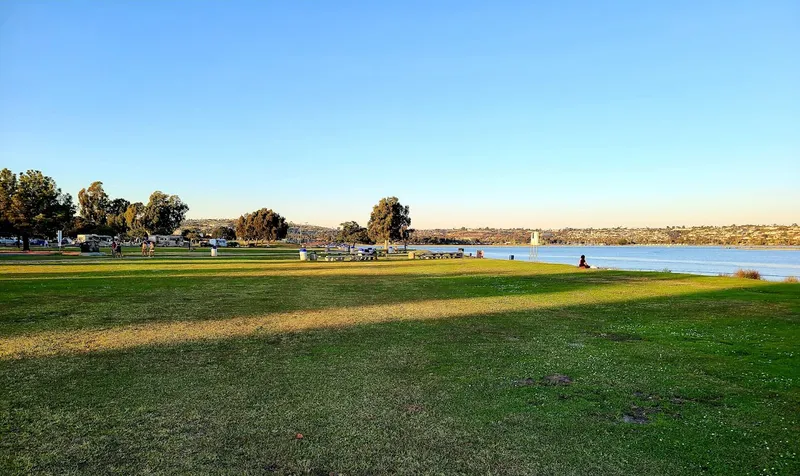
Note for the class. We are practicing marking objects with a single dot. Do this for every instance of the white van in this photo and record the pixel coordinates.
(218, 242)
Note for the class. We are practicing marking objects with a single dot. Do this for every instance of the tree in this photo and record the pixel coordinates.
(192, 234)
(100, 214)
(163, 213)
(8, 184)
(134, 216)
(352, 232)
(34, 205)
(388, 220)
(115, 215)
(263, 224)
(93, 203)
(79, 226)
(243, 227)
(407, 233)
(224, 232)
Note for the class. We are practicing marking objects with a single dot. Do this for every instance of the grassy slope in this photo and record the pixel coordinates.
(393, 366)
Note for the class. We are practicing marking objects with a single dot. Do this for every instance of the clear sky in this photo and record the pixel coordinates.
(514, 114)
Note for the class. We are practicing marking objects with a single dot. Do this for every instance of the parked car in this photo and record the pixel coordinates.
(8, 241)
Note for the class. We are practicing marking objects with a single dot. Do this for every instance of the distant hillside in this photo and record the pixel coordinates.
(207, 224)
(732, 235)
(738, 235)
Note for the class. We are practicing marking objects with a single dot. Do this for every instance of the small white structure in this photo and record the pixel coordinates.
(534, 250)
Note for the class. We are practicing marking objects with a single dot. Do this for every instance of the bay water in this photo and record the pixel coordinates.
(774, 264)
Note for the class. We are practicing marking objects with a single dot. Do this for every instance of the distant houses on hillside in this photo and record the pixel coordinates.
(730, 235)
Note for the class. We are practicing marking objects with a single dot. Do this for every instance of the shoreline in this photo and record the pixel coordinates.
(737, 247)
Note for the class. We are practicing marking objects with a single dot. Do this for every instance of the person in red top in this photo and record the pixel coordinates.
(583, 263)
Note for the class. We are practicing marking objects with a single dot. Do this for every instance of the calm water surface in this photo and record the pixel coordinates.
(773, 264)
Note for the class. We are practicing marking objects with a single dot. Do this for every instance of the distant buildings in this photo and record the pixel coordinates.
(731, 235)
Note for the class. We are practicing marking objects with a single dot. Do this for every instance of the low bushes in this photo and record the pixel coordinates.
(747, 274)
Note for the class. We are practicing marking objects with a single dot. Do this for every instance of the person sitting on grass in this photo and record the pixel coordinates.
(583, 263)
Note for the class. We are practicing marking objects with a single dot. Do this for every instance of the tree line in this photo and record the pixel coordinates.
(100, 214)
(32, 204)
(389, 222)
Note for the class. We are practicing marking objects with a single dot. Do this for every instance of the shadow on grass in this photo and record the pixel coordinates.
(480, 296)
(39, 305)
(109, 269)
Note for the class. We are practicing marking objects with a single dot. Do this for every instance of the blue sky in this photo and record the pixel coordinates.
(515, 114)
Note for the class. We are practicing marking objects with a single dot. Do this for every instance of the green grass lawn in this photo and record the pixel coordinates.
(187, 364)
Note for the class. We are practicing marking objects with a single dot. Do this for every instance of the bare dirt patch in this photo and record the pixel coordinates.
(637, 419)
(639, 415)
(557, 379)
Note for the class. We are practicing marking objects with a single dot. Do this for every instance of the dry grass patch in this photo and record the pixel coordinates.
(747, 274)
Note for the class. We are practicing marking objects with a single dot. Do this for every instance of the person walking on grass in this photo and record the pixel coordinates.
(113, 249)
(152, 249)
(144, 248)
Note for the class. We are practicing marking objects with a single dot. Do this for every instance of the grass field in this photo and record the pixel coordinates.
(187, 364)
